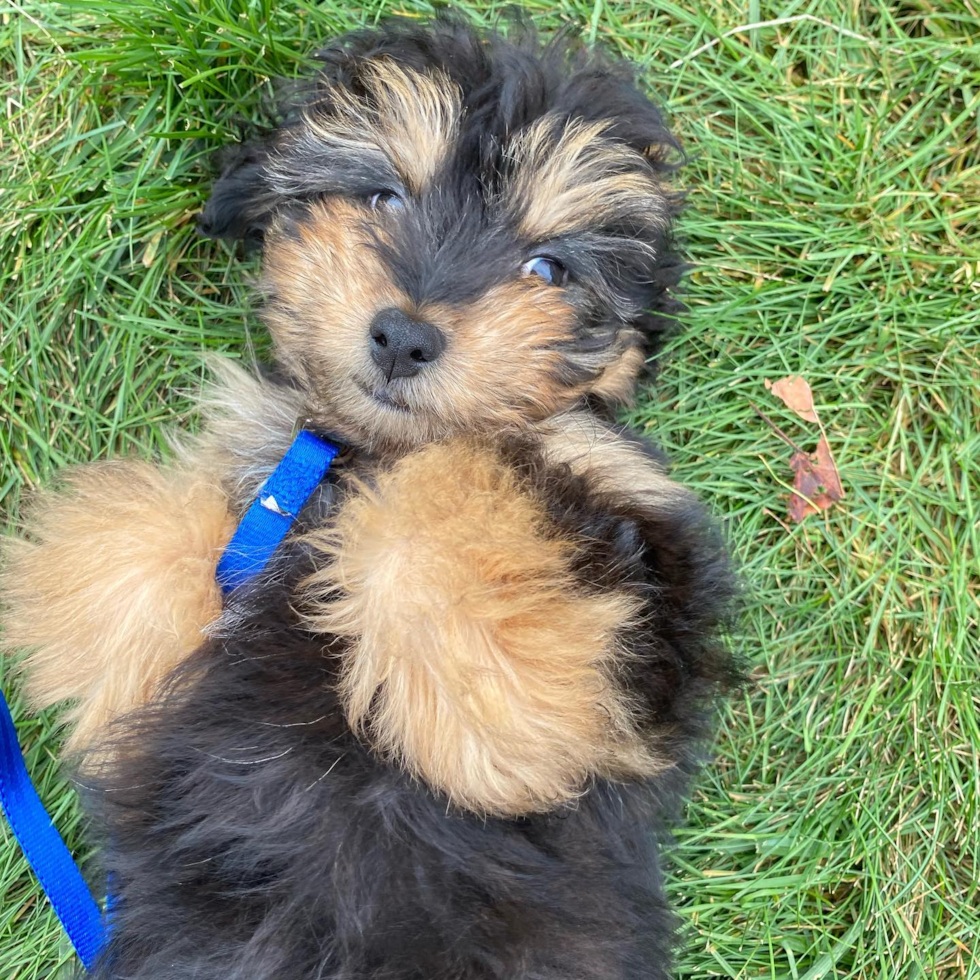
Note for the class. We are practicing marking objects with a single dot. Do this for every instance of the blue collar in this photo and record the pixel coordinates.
(273, 511)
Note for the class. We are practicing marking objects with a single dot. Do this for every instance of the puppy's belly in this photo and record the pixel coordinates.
(360, 774)
(250, 834)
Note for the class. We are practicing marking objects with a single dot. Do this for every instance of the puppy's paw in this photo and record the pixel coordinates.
(111, 586)
(472, 653)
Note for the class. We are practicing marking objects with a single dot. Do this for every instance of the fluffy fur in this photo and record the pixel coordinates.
(439, 735)
(112, 586)
(475, 657)
(253, 833)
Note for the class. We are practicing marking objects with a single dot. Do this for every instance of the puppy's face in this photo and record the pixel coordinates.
(459, 233)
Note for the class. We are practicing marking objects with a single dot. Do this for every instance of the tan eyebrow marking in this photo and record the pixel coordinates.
(411, 117)
(571, 176)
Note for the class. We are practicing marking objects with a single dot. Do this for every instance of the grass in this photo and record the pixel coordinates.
(835, 199)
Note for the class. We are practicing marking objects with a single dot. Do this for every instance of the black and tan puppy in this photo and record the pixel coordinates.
(437, 737)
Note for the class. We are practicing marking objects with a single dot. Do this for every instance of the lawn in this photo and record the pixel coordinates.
(832, 220)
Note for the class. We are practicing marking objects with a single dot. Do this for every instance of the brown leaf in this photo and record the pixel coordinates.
(795, 393)
(817, 482)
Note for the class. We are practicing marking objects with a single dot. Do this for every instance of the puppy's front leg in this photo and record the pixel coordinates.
(111, 585)
(473, 653)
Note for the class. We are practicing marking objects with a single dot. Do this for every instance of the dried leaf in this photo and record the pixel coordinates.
(150, 252)
(795, 393)
(817, 482)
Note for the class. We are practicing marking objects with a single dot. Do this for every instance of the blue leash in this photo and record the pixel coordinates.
(45, 850)
(255, 540)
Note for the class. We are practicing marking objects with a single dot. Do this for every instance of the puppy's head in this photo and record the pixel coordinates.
(459, 231)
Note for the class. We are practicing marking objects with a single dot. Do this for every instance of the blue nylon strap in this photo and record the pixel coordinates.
(258, 535)
(271, 515)
(45, 850)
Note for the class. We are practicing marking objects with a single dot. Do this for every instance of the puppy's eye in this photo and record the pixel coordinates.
(386, 201)
(548, 269)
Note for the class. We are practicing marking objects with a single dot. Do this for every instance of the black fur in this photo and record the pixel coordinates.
(251, 836)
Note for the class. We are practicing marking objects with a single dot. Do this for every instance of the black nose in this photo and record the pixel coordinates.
(402, 346)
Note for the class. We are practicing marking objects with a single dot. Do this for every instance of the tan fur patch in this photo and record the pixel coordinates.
(571, 177)
(112, 586)
(618, 382)
(248, 424)
(476, 659)
(325, 285)
(580, 441)
(411, 117)
(501, 364)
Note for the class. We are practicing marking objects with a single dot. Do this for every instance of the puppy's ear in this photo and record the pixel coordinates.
(242, 201)
(607, 90)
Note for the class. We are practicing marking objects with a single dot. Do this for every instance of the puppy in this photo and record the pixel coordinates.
(437, 737)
